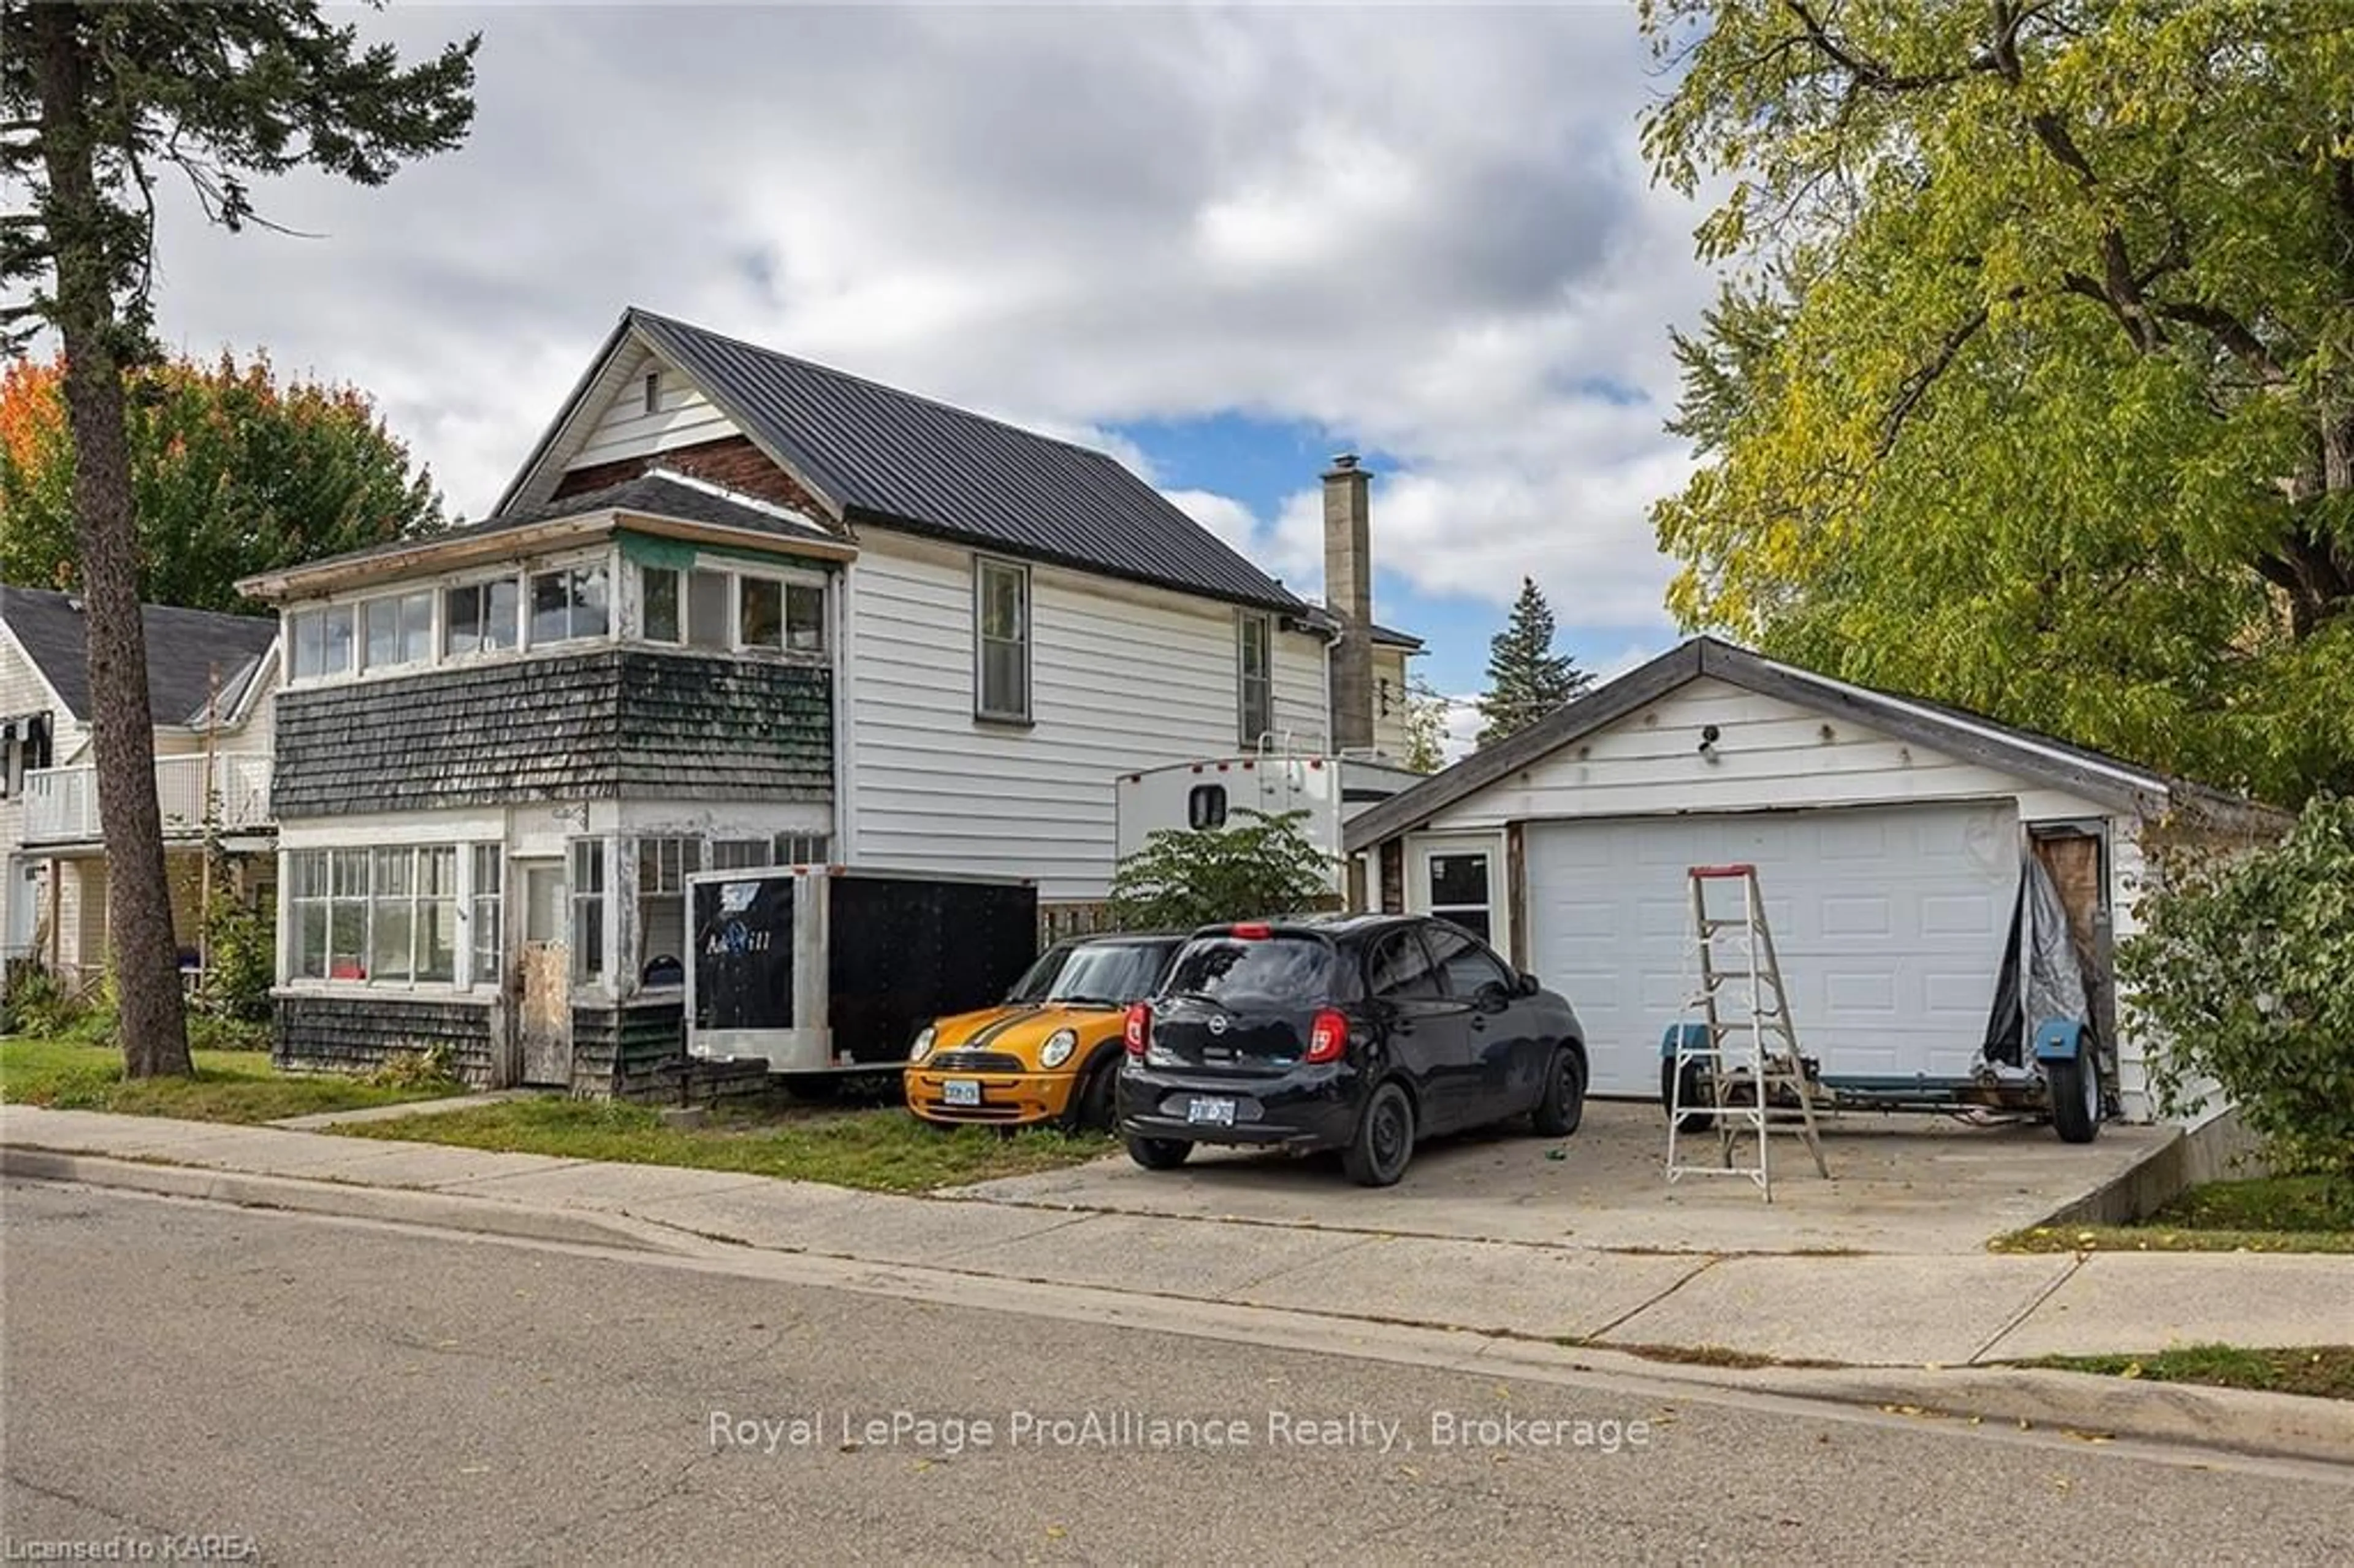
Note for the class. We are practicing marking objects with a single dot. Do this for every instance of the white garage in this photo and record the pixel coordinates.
(1889, 835)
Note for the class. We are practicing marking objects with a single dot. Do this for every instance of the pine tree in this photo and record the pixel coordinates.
(97, 102)
(1526, 679)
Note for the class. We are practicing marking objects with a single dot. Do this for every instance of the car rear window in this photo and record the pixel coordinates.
(1278, 969)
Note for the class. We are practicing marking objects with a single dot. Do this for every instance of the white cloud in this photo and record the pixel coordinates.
(1425, 234)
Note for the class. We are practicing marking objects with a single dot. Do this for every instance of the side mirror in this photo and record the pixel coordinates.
(1529, 985)
(1492, 997)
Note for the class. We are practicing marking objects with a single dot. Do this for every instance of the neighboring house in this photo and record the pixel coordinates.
(1889, 835)
(738, 607)
(209, 680)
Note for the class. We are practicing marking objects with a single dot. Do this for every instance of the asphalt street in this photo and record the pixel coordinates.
(180, 1378)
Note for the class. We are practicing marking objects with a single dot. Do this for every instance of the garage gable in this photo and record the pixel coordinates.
(1711, 745)
(1709, 727)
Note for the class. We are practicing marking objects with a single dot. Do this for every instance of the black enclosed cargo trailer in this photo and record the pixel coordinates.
(830, 968)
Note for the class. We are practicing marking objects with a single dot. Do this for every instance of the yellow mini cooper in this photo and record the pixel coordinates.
(1052, 1052)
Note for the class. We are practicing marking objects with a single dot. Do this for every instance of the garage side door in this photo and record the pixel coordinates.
(1890, 923)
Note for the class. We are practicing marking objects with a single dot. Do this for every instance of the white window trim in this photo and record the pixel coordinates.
(441, 592)
(608, 560)
(457, 987)
(1243, 620)
(433, 597)
(981, 711)
(736, 572)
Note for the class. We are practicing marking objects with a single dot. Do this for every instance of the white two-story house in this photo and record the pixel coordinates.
(209, 682)
(736, 608)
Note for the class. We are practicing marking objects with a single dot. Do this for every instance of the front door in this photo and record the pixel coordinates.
(543, 977)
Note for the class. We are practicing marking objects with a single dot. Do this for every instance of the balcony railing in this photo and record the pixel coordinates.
(231, 789)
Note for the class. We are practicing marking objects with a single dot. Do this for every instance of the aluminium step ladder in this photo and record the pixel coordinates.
(1755, 1079)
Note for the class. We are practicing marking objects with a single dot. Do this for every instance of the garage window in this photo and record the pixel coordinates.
(1459, 890)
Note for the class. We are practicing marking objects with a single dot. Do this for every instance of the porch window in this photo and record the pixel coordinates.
(399, 629)
(588, 909)
(480, 618)
(413, 913)
(569, 604)
(1255, 675)
(782, 849)
(658, 618)
(1001, 592)
(323, 641)
(707, 610)
(664, 866)
(489, 957)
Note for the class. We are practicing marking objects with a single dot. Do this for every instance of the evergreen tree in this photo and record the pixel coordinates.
(97, 104)
(1526, 679)
(1427, 709)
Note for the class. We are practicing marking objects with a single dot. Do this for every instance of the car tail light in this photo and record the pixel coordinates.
(1253, 931)
(1139, 1028)
(1327, 1036)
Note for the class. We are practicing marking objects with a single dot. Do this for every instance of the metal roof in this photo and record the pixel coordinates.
(894, 458)
(1969, 736)
(185, 649)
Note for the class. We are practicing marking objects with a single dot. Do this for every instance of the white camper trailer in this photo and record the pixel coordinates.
(1207, 794)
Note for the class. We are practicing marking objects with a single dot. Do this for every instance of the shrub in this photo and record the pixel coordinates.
(240, 962)
(1187, 877)
(419, 1067)
(213, 1032)
(2247, 970)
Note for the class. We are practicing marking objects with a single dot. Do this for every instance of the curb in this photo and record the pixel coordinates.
(2085, 1405)
(398, 1206)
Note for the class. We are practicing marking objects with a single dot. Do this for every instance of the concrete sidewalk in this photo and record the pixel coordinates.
(1887, 1310)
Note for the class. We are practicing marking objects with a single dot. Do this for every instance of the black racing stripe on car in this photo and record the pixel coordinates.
(989, 1035)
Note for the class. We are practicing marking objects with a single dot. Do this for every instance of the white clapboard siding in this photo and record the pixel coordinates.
(1123, 678)
(682, 417)
(23, 692)
(1769, 754)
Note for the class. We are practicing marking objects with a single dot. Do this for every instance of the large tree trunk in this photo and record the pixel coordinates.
(139, 914)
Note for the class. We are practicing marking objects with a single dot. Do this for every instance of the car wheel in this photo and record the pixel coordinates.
(1159, 1153)
(1090, 1109)
(1695, 1093)
(1562, 1106)
(1377, 1156)
(2074, 1083)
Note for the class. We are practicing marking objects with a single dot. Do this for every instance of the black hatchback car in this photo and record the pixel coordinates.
(1359, 1033)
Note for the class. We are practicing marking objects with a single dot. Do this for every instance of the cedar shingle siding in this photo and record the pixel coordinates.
(361, 1033)
(617, 724)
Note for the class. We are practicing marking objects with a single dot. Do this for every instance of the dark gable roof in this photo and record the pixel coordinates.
(1956, 733)
(184, 649)
(1389, 637)
(895, 458)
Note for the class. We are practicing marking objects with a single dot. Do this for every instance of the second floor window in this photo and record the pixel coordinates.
(724, 610)
(323, 641)
(1255, 670)
(479, 617)
(1001, 592)
(399, 629)
(569, 603)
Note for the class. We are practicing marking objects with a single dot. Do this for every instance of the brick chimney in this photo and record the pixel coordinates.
(1349, 595)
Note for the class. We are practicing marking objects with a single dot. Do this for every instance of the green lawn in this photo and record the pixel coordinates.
(884, 1149)
(2324, 1371)
(2272, 1213)
(230, 1086)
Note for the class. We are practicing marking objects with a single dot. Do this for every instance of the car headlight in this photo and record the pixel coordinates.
(923, 1045)
(1058, 1048)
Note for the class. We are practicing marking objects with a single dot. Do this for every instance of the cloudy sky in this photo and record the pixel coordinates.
(1223, 244)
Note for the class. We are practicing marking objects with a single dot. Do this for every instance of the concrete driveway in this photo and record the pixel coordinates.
(1899, 1184)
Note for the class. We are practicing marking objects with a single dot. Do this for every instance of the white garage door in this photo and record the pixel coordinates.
(1890, 923)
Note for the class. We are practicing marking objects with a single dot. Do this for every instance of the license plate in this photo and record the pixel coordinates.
(961, 1092)
(1207, 1110)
